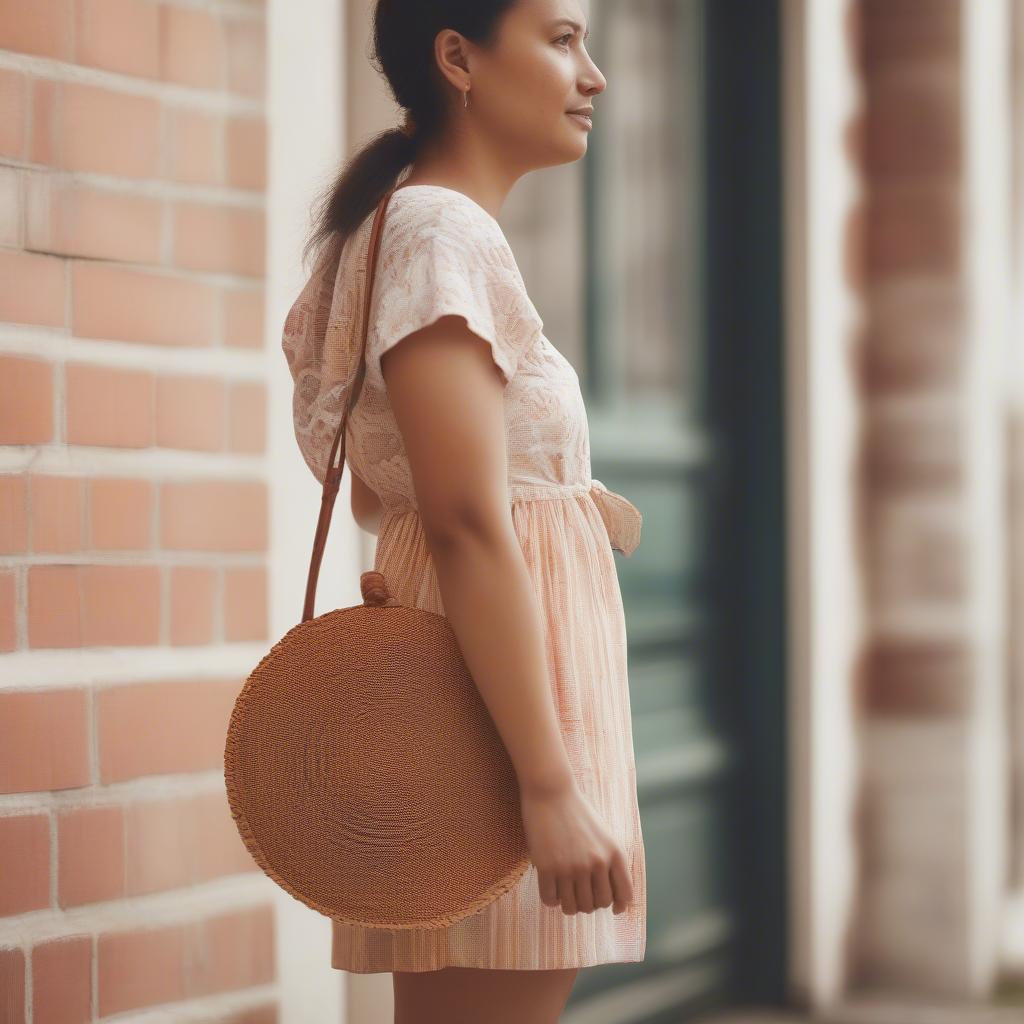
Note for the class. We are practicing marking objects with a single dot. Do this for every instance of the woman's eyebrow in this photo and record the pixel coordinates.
(575, 24)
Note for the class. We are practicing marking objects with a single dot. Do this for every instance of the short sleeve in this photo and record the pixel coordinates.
(441, 257)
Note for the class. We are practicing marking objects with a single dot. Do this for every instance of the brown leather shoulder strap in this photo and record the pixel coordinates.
(332, 478)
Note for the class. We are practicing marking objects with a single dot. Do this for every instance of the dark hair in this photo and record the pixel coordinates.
(403, 39)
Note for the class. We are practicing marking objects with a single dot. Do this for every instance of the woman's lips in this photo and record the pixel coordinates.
(583, 119)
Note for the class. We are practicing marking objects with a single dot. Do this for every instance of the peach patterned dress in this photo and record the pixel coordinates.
(442, 253)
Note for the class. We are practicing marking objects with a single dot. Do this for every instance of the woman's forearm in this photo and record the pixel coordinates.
(490, 602)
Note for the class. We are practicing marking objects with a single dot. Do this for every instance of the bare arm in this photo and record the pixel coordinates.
(447, 396)
(366, 506)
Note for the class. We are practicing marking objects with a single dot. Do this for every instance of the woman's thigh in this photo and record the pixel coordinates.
(472, 995)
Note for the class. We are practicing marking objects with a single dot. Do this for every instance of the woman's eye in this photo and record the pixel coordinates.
(565, 37)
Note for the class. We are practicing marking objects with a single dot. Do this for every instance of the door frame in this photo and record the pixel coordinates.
(745, 325)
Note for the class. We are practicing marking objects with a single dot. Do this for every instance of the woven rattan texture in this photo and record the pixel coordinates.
(361, 772)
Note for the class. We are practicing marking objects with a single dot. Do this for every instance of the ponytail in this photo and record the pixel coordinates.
(404, 32)
(358, 189)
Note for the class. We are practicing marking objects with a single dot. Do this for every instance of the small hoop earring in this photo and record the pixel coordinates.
(465, 98)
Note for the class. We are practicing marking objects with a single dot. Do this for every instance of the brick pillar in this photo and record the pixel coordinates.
(133, 504)
(932, 520)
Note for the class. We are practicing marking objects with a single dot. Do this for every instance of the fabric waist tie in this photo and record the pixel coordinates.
(622, 518)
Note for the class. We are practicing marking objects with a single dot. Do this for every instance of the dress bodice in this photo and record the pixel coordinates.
(441, 253)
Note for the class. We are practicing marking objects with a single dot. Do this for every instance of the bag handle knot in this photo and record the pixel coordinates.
(375, 589)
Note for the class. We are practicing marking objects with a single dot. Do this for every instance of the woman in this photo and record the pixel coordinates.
(470, 459)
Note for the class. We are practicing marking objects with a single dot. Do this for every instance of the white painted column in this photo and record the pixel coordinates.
(1013, 927)
(825, 615)
(987, 254)
(306, 117)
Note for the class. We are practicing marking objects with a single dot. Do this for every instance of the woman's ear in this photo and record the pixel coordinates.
(452, 60)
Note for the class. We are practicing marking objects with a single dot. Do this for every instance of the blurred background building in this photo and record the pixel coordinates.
(790, 273)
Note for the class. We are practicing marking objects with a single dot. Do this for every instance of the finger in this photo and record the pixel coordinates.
(567, 894)
(622, 884)
(584, 893)
(601, 881)
(547, 883)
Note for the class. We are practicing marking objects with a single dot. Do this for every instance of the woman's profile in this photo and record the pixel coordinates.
(469, 457)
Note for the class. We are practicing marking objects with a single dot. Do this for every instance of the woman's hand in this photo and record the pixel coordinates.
(579, 864)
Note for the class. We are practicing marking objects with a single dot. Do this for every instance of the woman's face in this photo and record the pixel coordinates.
(524, 87)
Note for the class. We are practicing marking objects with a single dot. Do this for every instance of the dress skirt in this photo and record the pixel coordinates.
(564, 532)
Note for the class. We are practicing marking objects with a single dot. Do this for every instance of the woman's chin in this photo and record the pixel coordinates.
(580, 140)
(566, 149)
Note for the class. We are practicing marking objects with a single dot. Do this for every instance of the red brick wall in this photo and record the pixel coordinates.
(921, 677)
(916, 679)
(133, 504)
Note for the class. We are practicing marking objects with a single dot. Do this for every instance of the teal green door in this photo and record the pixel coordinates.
(681, 373)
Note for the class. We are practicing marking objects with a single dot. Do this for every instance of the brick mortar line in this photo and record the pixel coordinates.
(209, 1009)
(224, 196)
(85, 471)
(130, 559)
(157, 465)
(920, 622)
(145, 788)
(253, 11)
(215, 279)
(944, 72)
(903, 289)
(937, 403)
(231, 363)
(61, 668)
(226, 467)
(183, 905)
(208, 100)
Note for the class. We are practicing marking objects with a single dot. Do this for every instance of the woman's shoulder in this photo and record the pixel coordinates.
(443, 254)
(434, 232)
(435, 212)
(439, 200)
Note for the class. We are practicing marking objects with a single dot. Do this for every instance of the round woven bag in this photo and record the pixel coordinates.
(366, 775)
(362, 766)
